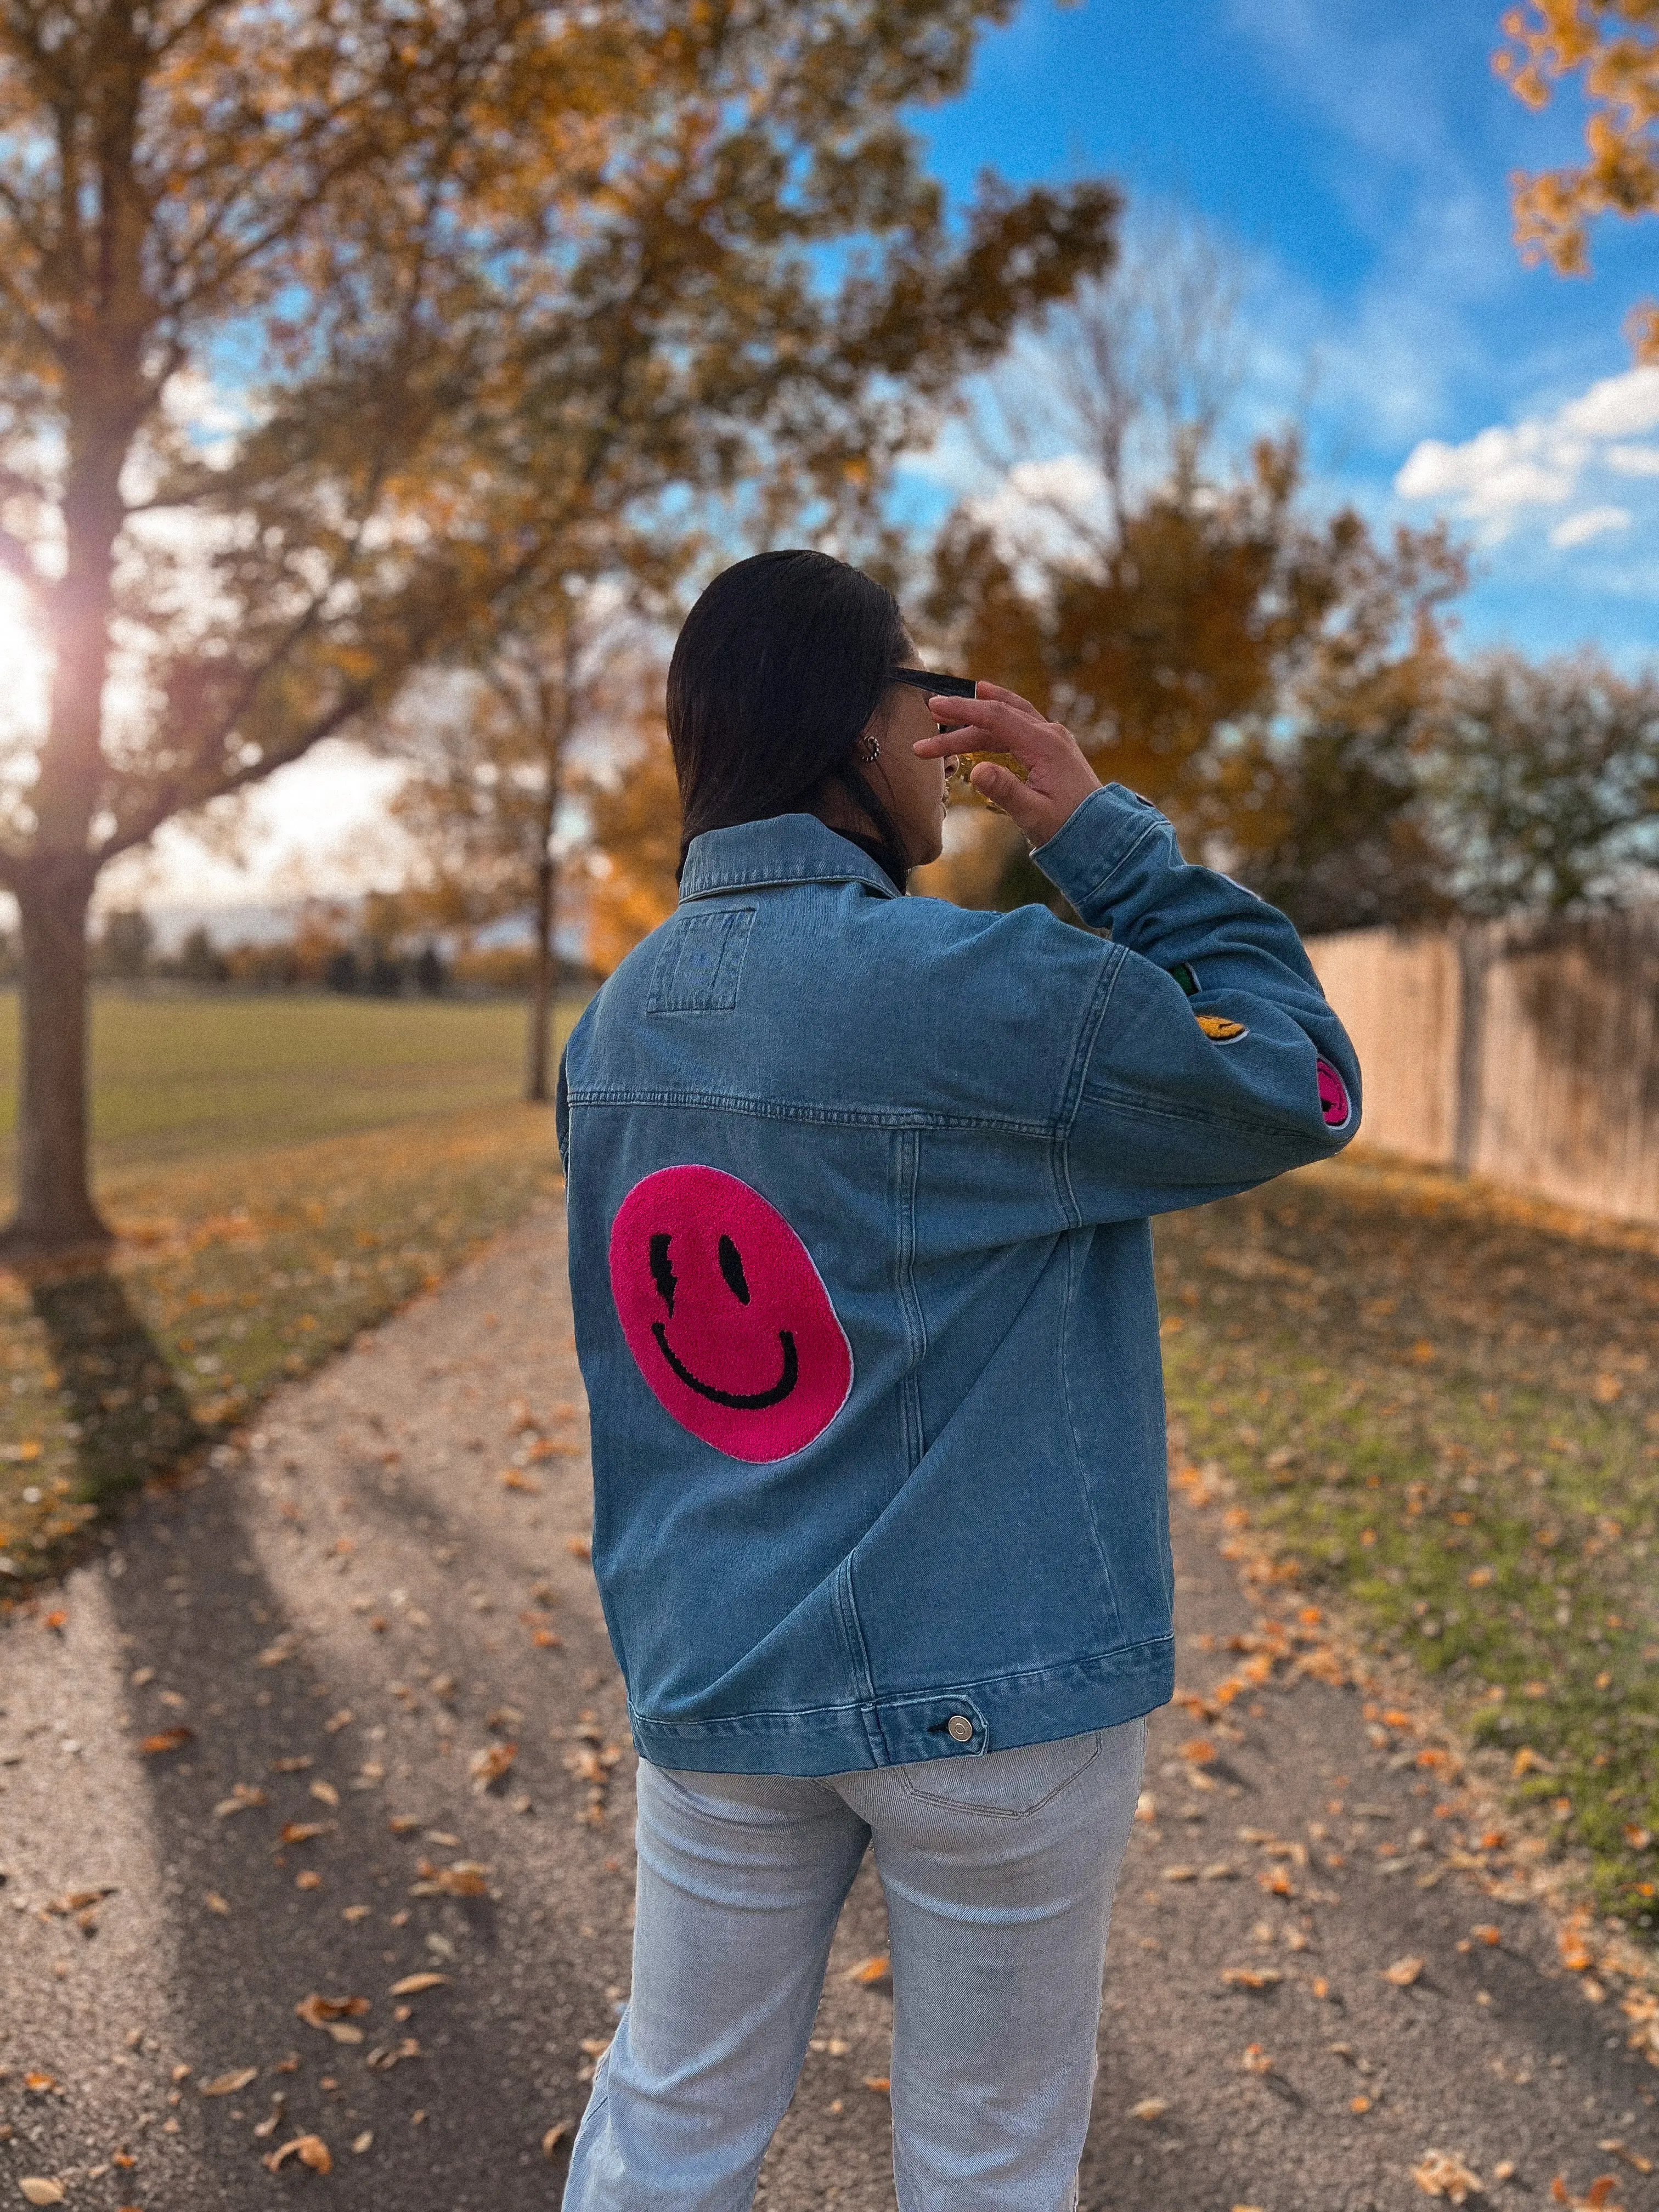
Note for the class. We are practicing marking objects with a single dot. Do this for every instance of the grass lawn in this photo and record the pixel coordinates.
(184, 1077)
(283, 1173)
(1445, 1403)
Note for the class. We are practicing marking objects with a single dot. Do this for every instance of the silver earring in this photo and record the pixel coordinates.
(871, 749)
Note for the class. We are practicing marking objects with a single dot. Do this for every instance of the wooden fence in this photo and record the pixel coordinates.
(1525, 1051)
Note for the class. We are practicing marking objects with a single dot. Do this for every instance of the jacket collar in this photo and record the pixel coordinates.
(785, 848)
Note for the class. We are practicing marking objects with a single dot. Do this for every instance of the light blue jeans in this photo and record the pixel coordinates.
(998, 1871)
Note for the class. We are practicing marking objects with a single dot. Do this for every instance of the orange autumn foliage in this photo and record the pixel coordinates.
(636, 838)
(1613, 47)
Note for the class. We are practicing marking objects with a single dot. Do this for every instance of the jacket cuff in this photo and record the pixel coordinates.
(1093, 843)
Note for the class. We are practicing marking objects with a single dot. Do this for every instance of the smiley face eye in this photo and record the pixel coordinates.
(662, 1274)
(732, 1268)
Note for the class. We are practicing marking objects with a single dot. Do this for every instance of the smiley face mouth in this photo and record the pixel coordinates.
(752, 1401)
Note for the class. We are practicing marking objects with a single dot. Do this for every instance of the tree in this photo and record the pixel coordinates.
(126, 945)
(1261, 673)
(1348, 837)
(1613, 46)
(491, 747)
(483, 269)
(198, 959)
(1549, 777)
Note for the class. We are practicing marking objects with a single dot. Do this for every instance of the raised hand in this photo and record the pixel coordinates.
(1058, 779)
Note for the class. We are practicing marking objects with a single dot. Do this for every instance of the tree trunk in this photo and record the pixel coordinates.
(555, 717)
(56, 1217)
(537, 1088)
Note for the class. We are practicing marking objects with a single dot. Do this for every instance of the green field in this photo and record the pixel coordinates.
(1445, 1405)
(183, 1077)
(282, 1172)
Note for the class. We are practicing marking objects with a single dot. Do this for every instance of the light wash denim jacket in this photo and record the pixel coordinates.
(858, 1192)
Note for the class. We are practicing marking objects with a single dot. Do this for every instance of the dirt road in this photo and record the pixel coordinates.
(326, 1906)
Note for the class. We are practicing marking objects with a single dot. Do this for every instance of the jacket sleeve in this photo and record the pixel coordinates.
(1210, 1061)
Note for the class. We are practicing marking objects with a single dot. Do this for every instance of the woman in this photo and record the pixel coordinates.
(858, 1190)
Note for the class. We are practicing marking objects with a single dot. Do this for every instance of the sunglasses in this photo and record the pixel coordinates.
(927, 680)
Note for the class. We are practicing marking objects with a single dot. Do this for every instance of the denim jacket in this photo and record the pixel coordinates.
(858, 1190)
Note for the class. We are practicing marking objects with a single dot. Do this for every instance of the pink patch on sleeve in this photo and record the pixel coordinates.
(725, 1314)
(1332, 1096)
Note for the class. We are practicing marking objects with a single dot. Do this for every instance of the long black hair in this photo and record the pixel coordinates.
(778, 668)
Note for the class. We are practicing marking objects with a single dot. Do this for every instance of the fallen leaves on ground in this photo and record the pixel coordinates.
(79, 1901)
(390, 2055)
(332, 2013)
(1480, 1510)
(462, 1878)
(591, 1762)
(310, 2150)
(244, 1797)
(303, 1832)
(227, 2085)
(1443, 2173)
(1622, 2149)
(1598, 2197)
(244, 1270)
(166, 1740)
(492, 1765)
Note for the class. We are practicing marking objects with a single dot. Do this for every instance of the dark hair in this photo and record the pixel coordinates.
(779, 666)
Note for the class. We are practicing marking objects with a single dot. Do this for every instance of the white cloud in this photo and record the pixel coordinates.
(1041, 496)
(1493, 474)
(1618, 407)
(1594, 522)
(1493, 478)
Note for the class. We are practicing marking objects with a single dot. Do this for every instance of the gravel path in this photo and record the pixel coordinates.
(355, 1620)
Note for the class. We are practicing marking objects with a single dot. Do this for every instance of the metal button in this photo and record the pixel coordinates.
(960, 1728)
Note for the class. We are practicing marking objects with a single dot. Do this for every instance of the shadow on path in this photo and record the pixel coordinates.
(318, 1829)
(133, 1419)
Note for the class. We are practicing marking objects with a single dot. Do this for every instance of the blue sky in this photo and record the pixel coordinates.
(1364, 164)
(1365, 170)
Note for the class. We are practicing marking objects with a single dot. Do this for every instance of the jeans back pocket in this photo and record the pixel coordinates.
(1009, 1782)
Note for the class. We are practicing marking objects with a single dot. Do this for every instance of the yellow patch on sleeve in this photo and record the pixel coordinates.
(1219, 1028)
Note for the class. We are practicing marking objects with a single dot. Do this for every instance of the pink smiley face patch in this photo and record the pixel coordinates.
(727, 1316)
(1332, 1096)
